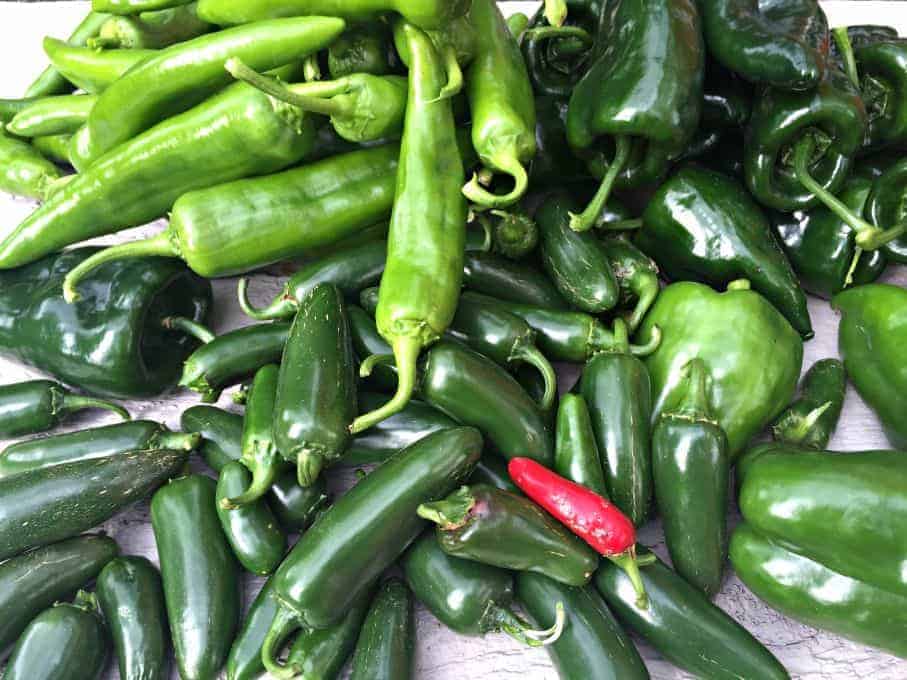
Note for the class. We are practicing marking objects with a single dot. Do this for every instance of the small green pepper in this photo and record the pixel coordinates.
(637, 276)
(39, 405)
(494, 275)
(386, 644)
(244, 661)
(811, 419)
(23, 170)
(92, 70)
(51, 81)
(576, 455)
(54, 148)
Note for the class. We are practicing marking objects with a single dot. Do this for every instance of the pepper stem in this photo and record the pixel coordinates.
(485, 225)
(103, 43)
(311, 69)
(263, 474)
(868, 237)
(798, 429)
(77, 402)
(309, 465)
(516, 234)
(282, 626)
(274, 88)
(695, 401)
(842, 39)
(479, 195)
(645, 297)
(454, 84)
(620, 225)
(160, 245)
(520, 630)
(369, 363)
(189, 327)
(406, 354)
(281, 307)
(587, 219)
(534, 357)
(628, 562)
(449, 513)
(647, 349)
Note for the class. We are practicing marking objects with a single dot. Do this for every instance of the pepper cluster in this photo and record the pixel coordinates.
(646, 189)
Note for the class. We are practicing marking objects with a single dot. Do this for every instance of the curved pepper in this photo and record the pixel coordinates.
(92, 70)
(637, 277)
(871, 339)
(646, 46)
(23, 170)
(63, 114)
(812, 418)
(882, 69)
(503, 529)
(455, 44)
(704, 226)
(752, 354)
(128, 7)
(51, 81)
(887, 206)
(362, 48)
(691, 469)
(150, 30)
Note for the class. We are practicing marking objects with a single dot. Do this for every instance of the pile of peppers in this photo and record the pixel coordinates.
(462, 204)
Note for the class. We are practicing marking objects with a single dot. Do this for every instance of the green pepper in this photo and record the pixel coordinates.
(871, 336)
(862, 34)
(9, 108)
(782, 45)
(364, 532)
(684, 627)
(150, 30)
(726, 101)
(618, 391)
(23, 170)
(644, 47)
(244, 661)
(514, 234)
(882, 68)
(576, 455)
(129, 7)
(128, 586)
(92, 70)
(427, 14)
(200, 575)
(135, 355)
(39, 405)
(553, 160)
(494, 275)
(385, 648)
(455, 44)
(183, 75)
(752, 354)
(811, 592)
(65, 642)
(468, 597)
(421, 282)
(637, 277)
(502, 106)
(704, 226)
(811, 419)
(54, 148)
(691, 468)
(51, 81)
(316, 390)
(63, 114)
(36, 579)
(592, 638)
(492, 471)
(886, 206)
(362, 48)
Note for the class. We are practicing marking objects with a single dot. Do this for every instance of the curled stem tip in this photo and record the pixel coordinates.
(281, 307)
(189, 327)
(534, 357)
(587, 219)
(282, 626)
(262, 479)
(475, 192)
(75, 402)
(369, 363)
(653, 344)
(274, 88)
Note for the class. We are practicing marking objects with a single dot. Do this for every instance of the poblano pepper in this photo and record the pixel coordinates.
(887, 206)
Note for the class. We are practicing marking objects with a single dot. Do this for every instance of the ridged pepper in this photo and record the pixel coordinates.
(811, 419)
(386, 644)
(39, 405)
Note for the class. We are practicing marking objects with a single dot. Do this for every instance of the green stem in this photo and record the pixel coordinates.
(285, 622)
(797, 433)
(406, 355)
(628, 563)
(311, 69)
(534, 357)
(369, 363)
(649, 347)
(283, 306)
(309, 465)
(449, 513)
(274, 88)
(189, 327)
(846, 50)
(77, 402)
(587, 219)
(520, 630)
(177, 441)
(646, 297)
(620, 225)
(107, 43)
(454, 83)
(475, 192)
(263, 475)
(160, 245)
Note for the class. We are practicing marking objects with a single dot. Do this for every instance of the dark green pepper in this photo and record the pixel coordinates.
(244, 661)
(704, 226)
(691, 469)
(882, 69)
(23, 170)
(131, 596)
(886, 206)
(362, 48)
(63, 114)
(66, 642)
(200, 575)
(485, 524)
(553, 161)
(576, 455)
(811, 419)
(316, 390)
(51, 81)
(492, 471)
(150, 30)
(385, 648)
(39, 405)
(637, 276)
(92, 70)
(491, 274)
(726, 101)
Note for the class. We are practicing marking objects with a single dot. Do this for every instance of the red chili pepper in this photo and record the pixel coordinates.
(588, 515)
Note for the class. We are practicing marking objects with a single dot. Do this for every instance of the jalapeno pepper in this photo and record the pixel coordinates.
(23, 170)
(39, 405)
(51, 81)
(494, 275)
(637, 277)
(244, 661)
(811, 419)
(63, 114)
(385, 648)
(92, 70)
(362, 48)
(150, 30)
(576, 455)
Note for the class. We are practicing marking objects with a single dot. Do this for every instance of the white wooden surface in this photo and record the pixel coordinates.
(442, 655)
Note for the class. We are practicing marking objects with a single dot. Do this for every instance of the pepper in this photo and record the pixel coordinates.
(811, 419)
(367, 342)
(362, 48)
(576, 455)
(859, 35)
(886, 206)
(385, 648)
(726, 101)
(23, 170)
(514, 234)
(51, 81)
(493, 472)
(63, 114)
(316, 390)
(126, 586)
(455, 44)
(822, 248)
(809, 591)
(503, 529)
(39, 405)
(502, 106)
(96, 442)
(468, 597)
(492, 274)
(129, 7)
(200, 575)
(67, 641)
(54, 148)
(92, 70)
(691, 468)
(150, 30)
(244, 661)
(637, 278)
(36, 579)
(421, 281)
(592, 638)
(684, 627)
(518, 23)
(752, 354)
(427, 14)
(643, 47)
(882, 69)
(702, 225)
(364, 532)
(553, 160)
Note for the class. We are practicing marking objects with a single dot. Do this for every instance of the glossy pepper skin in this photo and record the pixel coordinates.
(503, 529)
(117, 323)
(364, 532)
(386, 644)
(421, 282)
(128, 7)
(752, 353)
(150, 30)
(183, 75)
(68, 641)
(200, 575)
(592, 638)
(34, 580)
(821, 247)
(882, 67)
(38, 405)
(316, 389)
(505, 279)
(784, 45)
(553, 160)
(886, 206)
(637, 278)
(685, 628)
(51, 81)
(244, 661)
(833, 113)
(691, 469)
(54, 148)
(702, 225)
(576, 454)
(89, 69)
(63, 114)
(810, 592)
(501, 104)
(871, 334)
(811, 419)
(126, 586)
(23, 170)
